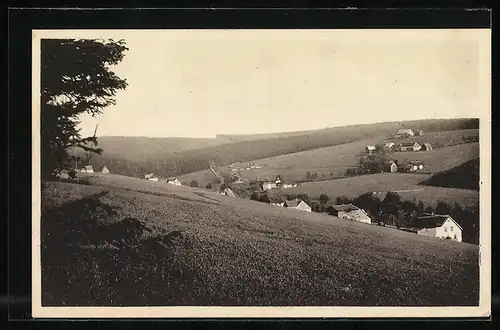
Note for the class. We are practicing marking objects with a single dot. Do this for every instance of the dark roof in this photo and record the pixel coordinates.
(292, 203)
(427, 144)
(430, 221)
(408, 144)
(345, 207)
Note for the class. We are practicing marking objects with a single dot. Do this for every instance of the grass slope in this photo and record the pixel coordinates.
(381, 183)
(137, 159)
(332, 162)
(464, 176)
(109, 244)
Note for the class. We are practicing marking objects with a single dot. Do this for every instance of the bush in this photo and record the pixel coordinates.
(194, 183)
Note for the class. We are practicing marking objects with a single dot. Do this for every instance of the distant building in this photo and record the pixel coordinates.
(388, 145)
(420, 132)
(440, 226)
(392, 167)
(174, 181)
(278, 204)
(266, 185)
(228, 192)
(415, 166)
(350, 212)
(370, 148)
(278, 180)
(150, 177)
(87, 169)
(410, 146)
(105, 170)
(405, 132)
(63, 174)
(298, 205)
(426, 147)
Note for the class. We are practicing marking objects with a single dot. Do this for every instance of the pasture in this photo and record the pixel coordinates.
(130, 242)
(405, 184)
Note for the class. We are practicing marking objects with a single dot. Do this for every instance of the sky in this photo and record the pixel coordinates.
(194, 83)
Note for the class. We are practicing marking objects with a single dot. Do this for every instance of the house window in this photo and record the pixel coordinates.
(451, 228)
(455, 237)
(445, 229)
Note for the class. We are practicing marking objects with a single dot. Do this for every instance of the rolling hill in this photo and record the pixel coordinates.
(332, 162)
(464, 176)
(136, 159)
(131, 242)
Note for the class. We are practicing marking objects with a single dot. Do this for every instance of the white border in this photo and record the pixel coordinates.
(484, 113)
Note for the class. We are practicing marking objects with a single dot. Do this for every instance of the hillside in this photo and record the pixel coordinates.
(464, 176)
(332, 162)
(428, 125)
(110, 244)
(137, 159)
(405, 184)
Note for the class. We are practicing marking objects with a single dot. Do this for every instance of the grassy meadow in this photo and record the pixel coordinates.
(128, 242)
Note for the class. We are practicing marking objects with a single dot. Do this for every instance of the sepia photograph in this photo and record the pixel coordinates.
(261, 173)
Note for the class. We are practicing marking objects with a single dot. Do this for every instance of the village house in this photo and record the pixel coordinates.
(434, 225)
(278, 180)
(392, 167)
(388, 145)
(63, 174)
(289, 185)
(87, 169)
(227, 192)
(105, 170)
(420, 132)
(410, 146)
(370, 149)
(174, 181)
(405, 132)
(298, 205)
(426, 147)
(279, 204)
(350, 212)
(266, 185)
(150, 177)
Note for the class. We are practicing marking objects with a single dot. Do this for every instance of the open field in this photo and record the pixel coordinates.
(441, 159)
(444, 138)
(110, 244)
(176, 156)
(332, 162)
(405, 184)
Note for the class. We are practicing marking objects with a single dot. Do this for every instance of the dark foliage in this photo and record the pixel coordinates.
(465, 176)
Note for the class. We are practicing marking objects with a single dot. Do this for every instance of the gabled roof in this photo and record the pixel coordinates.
(427, 144)
(345, 207)
(371, 147)
(389, 144)
(404, 130)
(294, 203)
(172, 179)
(150, 175)
(431, 221)
(409, 144)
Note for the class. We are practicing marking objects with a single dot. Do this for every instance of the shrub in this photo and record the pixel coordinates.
(194, 183)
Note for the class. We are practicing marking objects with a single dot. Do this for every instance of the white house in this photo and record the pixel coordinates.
(174, 181)
(436, 225)
(105, 170)
(150, 177)
(389, 145)
(266, 185)
(87, 169)
(298, 205)
(279, 204)
(405, 132)
(227, 192)
(349, 212)
(392, 167)
(370, 148)
(410, 146)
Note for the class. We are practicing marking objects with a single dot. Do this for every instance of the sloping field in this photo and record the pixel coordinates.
(444, 138)
(169, 245)
(464, 176)
(441, 159)
(332, 162)
(139, 158)
(406, 185)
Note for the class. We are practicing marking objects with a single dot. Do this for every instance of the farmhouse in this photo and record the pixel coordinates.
(350, 212)
(404, 132)
(105, 170)
(87, 169)
(266, 185)
(278, 204)
(434, 225)
(392, 167)
(150, 177)
(426, 147)
(278, 180)
(410, 146)
(298, 205)
(174, 181)
(370, 148)
(420, 132)
(389, 145)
